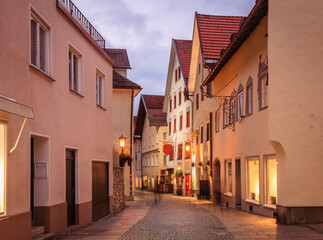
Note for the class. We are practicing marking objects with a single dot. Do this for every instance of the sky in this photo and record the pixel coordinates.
(146, 28)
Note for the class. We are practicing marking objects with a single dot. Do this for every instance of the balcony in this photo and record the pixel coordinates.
(76, 14)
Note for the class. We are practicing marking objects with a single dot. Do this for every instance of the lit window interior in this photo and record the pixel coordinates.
(253, 179)
(271, 181)
(2, 166)
(228, 176)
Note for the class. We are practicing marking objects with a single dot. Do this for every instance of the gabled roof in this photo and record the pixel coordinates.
(152, 107)
(215, 33)
(119, 56)
(120, 81)
(258, 12)
(183, 49)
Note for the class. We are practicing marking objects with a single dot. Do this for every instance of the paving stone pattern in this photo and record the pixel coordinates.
(176, 219)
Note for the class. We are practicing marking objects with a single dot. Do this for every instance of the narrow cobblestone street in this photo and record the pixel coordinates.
(176, 217)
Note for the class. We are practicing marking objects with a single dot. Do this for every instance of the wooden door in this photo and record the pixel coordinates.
(217, 182)
(100, 190)
(70, 186)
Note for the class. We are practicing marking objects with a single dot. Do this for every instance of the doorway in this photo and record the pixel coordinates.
(238, 183)
(188, 187)
(100, 190)
(217, 182)
(32, 177)
(70, 186)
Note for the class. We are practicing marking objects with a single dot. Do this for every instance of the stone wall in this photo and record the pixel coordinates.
(118, 189)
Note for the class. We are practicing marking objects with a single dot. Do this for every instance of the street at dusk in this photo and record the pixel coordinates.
(161, 119)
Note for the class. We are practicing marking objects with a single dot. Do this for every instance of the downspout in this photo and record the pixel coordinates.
(131, 141)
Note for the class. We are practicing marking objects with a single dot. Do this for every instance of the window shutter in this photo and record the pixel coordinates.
(180, 151)
(97, 89)
(42, 60)
(179, 73)
(187, 118)
(181, 122)
(174, 124)
(33, 47)
(75, 73)
(179, 98)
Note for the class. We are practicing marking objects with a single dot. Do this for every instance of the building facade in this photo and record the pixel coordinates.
(178, 164)
(262, 166)
(210, 34)
(49, 163)
(151, 125)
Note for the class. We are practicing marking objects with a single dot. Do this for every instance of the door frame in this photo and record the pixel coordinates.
(238, 187)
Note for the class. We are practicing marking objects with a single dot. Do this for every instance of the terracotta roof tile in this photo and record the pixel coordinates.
(184, 49)
(120, 81)
(215, 33)
(119, 56)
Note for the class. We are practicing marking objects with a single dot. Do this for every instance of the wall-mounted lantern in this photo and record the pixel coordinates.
(122, 142)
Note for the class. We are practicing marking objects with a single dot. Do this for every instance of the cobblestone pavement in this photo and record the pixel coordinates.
(177, 217)
(172, 218)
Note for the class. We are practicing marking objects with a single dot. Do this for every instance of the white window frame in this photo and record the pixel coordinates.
(41, 64)
(3, 200)
(240, 105)
(156, 160)
(152, 161)
(217, 122)
(248, 179)
(100, 89)
(226, 173)
(75, 82)
(263, 91)
(267, 176)
(249, 97)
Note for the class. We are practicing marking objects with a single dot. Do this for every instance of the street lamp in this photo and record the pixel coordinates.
(122, 142)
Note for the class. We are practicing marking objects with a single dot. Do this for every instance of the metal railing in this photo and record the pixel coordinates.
(81, 19)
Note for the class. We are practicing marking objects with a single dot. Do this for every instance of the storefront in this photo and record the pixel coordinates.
(167, 180)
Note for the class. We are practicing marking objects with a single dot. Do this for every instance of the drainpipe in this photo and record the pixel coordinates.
(211, 144)
(131, 140)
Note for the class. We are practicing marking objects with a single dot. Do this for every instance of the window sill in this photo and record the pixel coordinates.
(249, 114)
(253, 202)
(100, 107)
(228, 194)
(263, 108)
(37, 70)
(270, 206)
(76, 93)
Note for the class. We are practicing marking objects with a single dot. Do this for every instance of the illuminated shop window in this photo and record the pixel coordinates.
(253, 179)
(271, 181)
(228, 176)
(2, 166)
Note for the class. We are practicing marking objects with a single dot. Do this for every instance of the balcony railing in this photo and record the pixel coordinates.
(81, 19)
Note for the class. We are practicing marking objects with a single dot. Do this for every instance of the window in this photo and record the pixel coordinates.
(263, 88)
(175, 75)
(169, 127)
(181, 122)
(207, 131)
(253, 179)
(187, 151)
(179, 73)
(170, 104)
(228, 176)
(188, 118)
(3, 154)
(209, 88)
(240, 103)
(240, 106)
(156, 161)
(152, 161)
(179, 97)
(217, 121)
(225, 121)
(180, 151)
(149, 162)
(165, 160)
(202, 95)
(74, 71)
(271, 180)
(165, 136)
(197, 101)
(100, 98)
(39, 43)
(171, 155)
(201, 135)
(175, 101)
(174, 124)
(199, 68)
(249, 97)
(231, 111)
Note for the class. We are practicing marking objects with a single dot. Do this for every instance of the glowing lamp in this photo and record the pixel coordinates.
(122, 142)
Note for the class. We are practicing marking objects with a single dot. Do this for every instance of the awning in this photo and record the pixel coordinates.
(11, 106)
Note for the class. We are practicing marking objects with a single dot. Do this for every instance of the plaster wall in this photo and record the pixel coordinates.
(295, 117)
(121, 122)
(152, 146)
(70, 120)
(250, 137)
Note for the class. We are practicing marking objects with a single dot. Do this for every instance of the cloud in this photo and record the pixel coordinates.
(145, 28)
